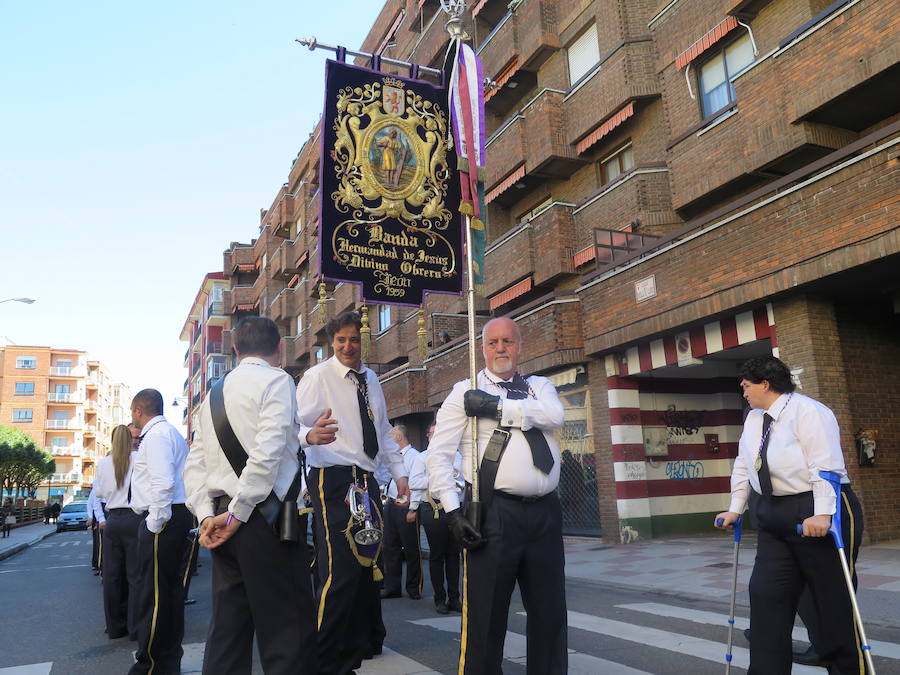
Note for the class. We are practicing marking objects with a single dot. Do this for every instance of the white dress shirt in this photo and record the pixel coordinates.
(804, 439)
(105, 486)
(261, 407)
(156, 478)
(418, 479)
(409, 454)
(517, 473)
(94, 507)
(330, 385)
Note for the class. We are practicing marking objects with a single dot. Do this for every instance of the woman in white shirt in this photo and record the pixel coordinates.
(112, 484)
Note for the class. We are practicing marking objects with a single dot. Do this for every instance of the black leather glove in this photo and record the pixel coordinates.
(464, 532)
(481, 404)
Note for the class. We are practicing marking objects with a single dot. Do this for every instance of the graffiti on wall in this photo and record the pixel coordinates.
(684, 469)
(681, 424)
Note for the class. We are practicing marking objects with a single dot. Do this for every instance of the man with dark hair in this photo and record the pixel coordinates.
(260, 584)
(158, 495)
(788, 439)
(346, 433)
(520, 537)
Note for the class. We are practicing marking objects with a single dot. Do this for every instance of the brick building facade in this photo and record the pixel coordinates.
(673, 187)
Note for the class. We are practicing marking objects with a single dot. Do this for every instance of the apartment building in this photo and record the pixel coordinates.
(205, 359)
(673, 187)
(68, 404)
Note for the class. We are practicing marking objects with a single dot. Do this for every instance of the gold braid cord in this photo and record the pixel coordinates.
(322, 303)
(422, 334)
(365, 333)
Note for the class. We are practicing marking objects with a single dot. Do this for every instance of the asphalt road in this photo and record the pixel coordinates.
(52, 614)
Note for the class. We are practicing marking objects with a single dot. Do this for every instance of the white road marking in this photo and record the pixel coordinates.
(663, 639)
(32, 669)
(515, 649)
(888, 650)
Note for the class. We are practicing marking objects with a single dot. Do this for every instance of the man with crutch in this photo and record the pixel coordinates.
(788, 439)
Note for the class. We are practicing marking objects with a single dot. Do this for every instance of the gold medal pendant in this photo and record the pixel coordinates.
(371, 415)
(758, 463)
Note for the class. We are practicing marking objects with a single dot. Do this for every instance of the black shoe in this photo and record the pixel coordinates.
(441, 608)
(385, 595)
(415, 595)
(190, 601)
(809, 658)
(454, 606)
(747, 634)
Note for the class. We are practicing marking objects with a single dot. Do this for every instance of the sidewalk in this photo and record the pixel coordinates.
(700, 567)
(21, 538)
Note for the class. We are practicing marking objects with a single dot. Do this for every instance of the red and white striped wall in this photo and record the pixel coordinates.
(695, 422)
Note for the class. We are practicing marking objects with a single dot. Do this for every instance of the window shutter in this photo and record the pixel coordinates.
(583, 54)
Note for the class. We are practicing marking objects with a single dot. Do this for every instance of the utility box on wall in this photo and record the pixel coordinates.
(656, 441)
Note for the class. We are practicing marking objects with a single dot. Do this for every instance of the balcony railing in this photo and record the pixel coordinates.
(91, 381)
(63, 397)
(63, 424)
(90, 429)
(215, 309)
(63, 371)
(214, 348)
(65, 450)
(72, 477)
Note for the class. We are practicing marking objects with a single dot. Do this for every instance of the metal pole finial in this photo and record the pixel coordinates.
(453, 7)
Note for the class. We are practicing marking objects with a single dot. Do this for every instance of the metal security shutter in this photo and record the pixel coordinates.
(583, 54)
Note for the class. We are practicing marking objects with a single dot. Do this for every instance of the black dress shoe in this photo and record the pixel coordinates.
(189, 601)
(454, 606)
(441, 608)
(415, 595)
(809, 658)
(385, 595)
(747, 634)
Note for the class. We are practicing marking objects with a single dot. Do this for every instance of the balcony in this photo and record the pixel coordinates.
(90, 430)
(63, 397)
(295, 349)
(241, 299)
(63, 424)
(65, 371)
(549, 237)
(398, 340)
(626, 74)
(73, 477)
(517, 47)
(405, 390)
(282, 216)
(286, 305)
(215, 314)
(537, 134)
(91, 382)
(64, 450)
(90, 406)
(241, 260)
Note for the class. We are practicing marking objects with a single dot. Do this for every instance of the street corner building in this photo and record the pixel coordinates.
(671, 187)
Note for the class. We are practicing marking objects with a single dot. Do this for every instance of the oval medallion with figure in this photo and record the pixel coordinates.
(392, 157)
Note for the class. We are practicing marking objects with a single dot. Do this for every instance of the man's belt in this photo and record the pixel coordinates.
(521, 498)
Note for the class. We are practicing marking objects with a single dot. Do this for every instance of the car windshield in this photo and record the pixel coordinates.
(75, 508)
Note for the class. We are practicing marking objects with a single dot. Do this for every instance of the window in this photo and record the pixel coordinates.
(583, 54)
(717, 74)
(384, 317)
(531, 213)
(63, 363)
(615, 165)
(22, 415)
(26, 362)
(61, 388)
(318, 354)
(24, 388)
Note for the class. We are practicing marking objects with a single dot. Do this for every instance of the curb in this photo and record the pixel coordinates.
(18, 548)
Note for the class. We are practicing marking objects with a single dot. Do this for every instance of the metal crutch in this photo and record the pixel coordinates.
(737, 548)
(836, 534)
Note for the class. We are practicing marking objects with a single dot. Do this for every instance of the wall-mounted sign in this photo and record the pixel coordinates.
(645, 288)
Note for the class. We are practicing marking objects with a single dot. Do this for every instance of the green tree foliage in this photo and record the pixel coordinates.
(23, 464)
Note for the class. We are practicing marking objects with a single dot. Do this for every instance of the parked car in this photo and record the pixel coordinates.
(73, 516)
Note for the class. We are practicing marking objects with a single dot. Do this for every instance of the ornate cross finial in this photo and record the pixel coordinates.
(454, 8)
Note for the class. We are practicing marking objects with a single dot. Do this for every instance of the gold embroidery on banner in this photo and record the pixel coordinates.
(390, 159)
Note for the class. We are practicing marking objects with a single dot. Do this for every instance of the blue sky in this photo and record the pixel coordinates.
(136, 142)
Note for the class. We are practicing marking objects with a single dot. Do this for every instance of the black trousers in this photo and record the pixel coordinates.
(785, 564)
(121, 574)
(523, 544)
(160, 604)
(443, 556)
(348, 606)
(261, 585)
(189, 562)
(401, 542)
(96, 552)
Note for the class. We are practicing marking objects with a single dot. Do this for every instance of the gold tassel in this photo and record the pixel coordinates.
(365, 333)
(376, 573)
(466, 208)
(323, 310)
(422, 334)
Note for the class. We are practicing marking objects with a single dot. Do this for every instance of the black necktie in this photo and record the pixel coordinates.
(540, 450)
(765, 479)
(370, 437)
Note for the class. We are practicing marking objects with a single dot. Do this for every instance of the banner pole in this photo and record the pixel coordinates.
(312, 44)
(473, 371)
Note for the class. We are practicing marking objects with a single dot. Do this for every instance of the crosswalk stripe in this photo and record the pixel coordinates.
(31, 669)
(663, 639)
(515, 649)
(889, 650)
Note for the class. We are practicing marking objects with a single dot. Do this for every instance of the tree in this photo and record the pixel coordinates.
(23, 464)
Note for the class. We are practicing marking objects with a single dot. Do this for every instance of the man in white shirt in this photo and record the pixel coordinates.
(95, 517)
(401, 530)
(158, 495)
(345, 431)
(260, 584)
(520, 536)
(443, 549)
(788, 439)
